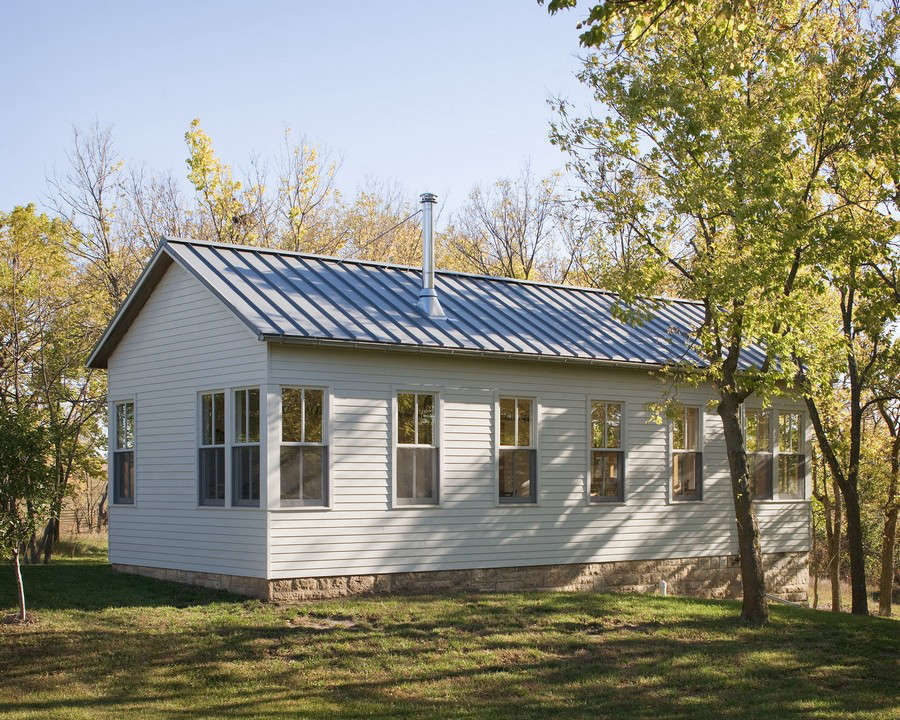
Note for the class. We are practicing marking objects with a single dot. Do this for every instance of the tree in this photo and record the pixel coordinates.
(514, 228)
(25, 485)
(54, 310)
(713, 149)
(890, 412)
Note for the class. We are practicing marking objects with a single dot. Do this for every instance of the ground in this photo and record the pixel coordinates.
(116, 646)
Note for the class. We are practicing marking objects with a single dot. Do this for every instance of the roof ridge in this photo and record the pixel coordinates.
(413, 268)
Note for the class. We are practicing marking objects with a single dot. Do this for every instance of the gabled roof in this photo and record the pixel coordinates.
(292, 297)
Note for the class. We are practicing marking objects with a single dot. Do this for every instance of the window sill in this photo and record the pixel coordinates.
(781, 501)
(423, 506)
(517, 504)
(692, 501)
(230, 508)
(300, 508)
(123, 505)
(601, 503)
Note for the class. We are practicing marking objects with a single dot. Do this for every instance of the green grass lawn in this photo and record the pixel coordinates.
(116, 646)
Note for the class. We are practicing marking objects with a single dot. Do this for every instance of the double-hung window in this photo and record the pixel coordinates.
(607, 453)
(123, 454)
(758, 442)
(791, 460)
(687, 459)
(517, 452)
(304, 452)
(211, 454)
(245, 448)
(417, 476)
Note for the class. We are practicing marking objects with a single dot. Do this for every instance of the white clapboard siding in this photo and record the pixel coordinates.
(362, 534)
(184, 340)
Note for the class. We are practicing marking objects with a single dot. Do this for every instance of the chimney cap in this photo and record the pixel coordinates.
(428, 198)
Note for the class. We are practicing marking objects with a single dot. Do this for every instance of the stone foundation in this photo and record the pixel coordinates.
(787, 576)
(238, 584)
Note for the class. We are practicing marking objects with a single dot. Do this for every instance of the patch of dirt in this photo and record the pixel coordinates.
(322, 623)
(13, 619)
(599, 628)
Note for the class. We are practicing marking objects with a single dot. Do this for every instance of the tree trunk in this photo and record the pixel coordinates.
(889, 535)
(20, 587)
(834, 549)
(859, 598)
(755, 609)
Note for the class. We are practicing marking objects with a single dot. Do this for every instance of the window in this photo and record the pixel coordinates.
(123, 454)
(687, 460)
(517, 453)
(607, 454)
(245, 448)
(791, 461)
(417, 449)
(212, 448)
(304, 453)
(758, 441)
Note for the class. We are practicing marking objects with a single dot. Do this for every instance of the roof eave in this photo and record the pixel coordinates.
(456, 352)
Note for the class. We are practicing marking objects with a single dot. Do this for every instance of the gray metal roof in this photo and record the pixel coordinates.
(294, 297)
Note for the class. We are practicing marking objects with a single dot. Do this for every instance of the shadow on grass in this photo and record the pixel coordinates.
(162, 650)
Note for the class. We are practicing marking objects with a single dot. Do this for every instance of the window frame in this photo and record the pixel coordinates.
(672, 451)
(534, 500)
(801, 451)
(437, 438)
(773, 417)
(327, 499)
(112, 437)
(619, 499)
(226, 445)
(232, 443)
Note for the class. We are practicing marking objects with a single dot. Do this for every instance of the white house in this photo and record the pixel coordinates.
(291, 426)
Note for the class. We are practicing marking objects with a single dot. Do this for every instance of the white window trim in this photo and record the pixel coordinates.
(198, 444)
(112, 429)
(231, 443)
(536, 429)
(438, 430)
(276, 426)
(701, 448)
(589, 454)
(801, 450)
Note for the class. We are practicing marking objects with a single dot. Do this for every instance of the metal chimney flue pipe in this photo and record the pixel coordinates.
(429, 304)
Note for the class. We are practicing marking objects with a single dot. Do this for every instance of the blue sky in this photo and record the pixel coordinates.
(433, 95)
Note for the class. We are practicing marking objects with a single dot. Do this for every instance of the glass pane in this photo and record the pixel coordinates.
(212, 476)
(253, 416)
(426, 419)
(424, 473)
(684, 475)
(751, 431)
(762, 432)
(313, 403)
(405, 472)
(313, 475)
(245, 470)
(506, 473)
(790, 476)
(789, 432)
(613, 422)
(678, 432)
(123, 470)
(760, 475)
(605, 474)
(524, 434)
(290, 472)
(522, 473)
(406, 418)
(290, 415)
(692, 428)
(219, 419)
(240, 416)
(124, 426)
(206, 413)
(598, 422)
(507, 421)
